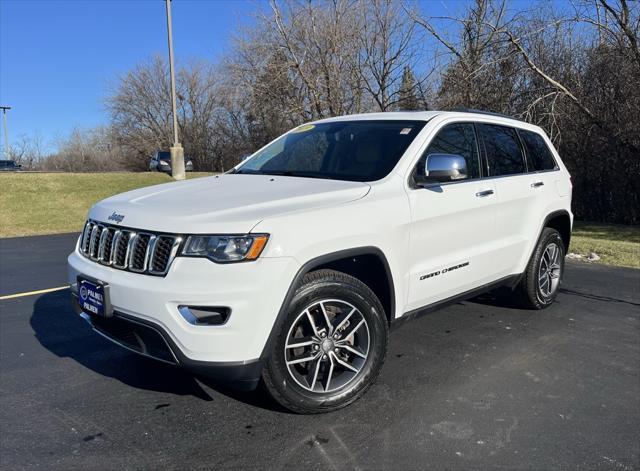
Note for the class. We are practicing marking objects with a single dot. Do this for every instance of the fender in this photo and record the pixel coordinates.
(310, 266)
(548, 217)
(552, 215)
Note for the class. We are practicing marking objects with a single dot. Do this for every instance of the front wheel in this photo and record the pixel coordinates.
(541, 281)
(331, 346)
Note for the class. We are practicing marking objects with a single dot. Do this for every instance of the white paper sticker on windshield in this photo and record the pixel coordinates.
(405, 130)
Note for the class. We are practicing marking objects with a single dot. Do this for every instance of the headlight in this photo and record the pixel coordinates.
(226, 248)
(164, 162)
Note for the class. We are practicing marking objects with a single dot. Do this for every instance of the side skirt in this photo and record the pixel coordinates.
(510, 281)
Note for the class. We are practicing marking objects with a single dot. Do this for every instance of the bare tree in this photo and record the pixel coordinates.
(408, 93)
(320, 43)
(615, 21)
(28, 151)
(387, 49)
(309, 60)
(141, 112)
(85, 150)
(480, 74)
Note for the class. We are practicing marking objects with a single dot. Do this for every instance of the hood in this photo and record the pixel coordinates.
(226, 203)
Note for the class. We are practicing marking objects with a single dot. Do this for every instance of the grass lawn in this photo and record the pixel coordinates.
(614, 244)
(51, 203)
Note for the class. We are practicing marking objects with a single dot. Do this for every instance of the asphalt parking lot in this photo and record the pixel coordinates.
(478, 385)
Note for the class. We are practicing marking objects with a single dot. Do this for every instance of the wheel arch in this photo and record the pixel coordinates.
(383, 287)
(560, 221)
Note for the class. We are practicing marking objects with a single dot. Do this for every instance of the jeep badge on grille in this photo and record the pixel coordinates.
(116, 217)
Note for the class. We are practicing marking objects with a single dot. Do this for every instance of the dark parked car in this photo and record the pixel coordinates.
(9, 166)
(161, 161)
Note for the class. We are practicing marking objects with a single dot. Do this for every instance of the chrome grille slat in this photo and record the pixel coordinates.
(114, 243)
(150, 248)
(132, 240)
(102, 243)
(84, 244)
(138, 256)
(120, 255)
(125, 249)
(106, 245)
(165, 250)
(93, 244)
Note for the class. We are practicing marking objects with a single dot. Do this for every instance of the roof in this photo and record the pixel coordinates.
(389, 115)
(471, 115)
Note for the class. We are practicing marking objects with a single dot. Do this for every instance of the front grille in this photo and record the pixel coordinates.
(127, 249)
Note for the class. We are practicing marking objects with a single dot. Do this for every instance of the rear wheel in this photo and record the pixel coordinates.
(331, 345)
(541, 281)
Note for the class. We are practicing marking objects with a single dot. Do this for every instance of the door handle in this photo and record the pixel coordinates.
(482, 194)
(537, 184)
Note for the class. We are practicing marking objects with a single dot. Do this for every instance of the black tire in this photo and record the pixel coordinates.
(315, 287)
(531, 292)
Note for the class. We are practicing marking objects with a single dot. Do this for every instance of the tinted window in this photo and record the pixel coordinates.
(539, 156)
(458, 139)
(340, 150)
(504, 155)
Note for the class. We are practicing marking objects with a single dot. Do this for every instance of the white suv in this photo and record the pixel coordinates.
(291, 267)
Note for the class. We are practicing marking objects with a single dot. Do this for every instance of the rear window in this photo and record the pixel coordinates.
(539, 156)
(504, 154)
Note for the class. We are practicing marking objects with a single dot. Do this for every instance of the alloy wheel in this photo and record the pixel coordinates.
(327, 346)
(549, 270)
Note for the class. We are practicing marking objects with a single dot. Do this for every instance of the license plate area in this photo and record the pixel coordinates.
(93, 297)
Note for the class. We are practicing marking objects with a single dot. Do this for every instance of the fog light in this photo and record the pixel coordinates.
(204, 315)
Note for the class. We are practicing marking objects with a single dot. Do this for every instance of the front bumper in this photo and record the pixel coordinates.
(148, 339)
(253, 291)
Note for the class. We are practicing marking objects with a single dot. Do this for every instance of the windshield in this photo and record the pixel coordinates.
(341, 150)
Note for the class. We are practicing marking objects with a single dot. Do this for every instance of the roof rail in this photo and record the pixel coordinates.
(491, 113)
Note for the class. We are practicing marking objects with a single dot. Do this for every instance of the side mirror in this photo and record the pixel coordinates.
(443, 168)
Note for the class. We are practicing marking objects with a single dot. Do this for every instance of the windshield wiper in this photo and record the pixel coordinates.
(285, 173)
(289, 173)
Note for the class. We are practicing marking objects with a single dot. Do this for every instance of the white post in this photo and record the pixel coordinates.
(6, 133)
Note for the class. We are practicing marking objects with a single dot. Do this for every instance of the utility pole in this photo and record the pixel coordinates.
(177, 153)
(6, 134)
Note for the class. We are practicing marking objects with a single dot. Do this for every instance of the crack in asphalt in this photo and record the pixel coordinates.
(597, 297)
